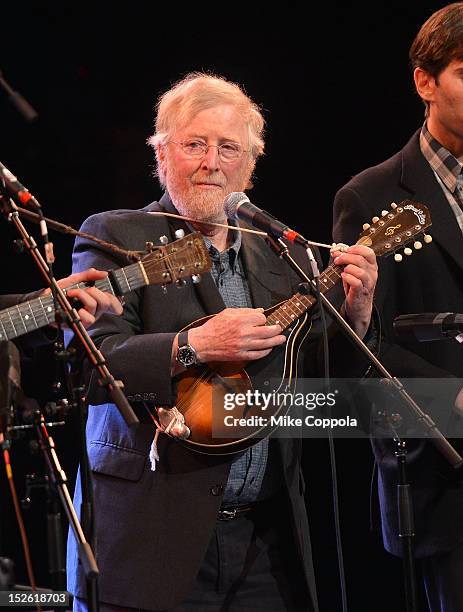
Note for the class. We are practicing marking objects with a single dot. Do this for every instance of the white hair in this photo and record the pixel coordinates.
(196, 92)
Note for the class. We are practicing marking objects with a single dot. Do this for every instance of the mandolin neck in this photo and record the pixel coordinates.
(290, 310)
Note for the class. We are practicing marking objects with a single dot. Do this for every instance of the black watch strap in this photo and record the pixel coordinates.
(183, 338)
(186, 354)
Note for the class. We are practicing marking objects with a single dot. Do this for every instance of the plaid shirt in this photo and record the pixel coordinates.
(246, 480)
(447, 170)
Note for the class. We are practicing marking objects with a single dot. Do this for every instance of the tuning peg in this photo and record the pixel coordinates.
(366, 226)
(407, 251)
(149, 246)
(393, 205)
(180, 283)
(427, 238)
(383, 213)
(163, 240)
(179, 233)
(398, 257)
(375, 219)
(417, 245)
(196, 278)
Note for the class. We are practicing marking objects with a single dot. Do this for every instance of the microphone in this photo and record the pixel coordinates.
(428, 326)
(238, 206)
(17, 189)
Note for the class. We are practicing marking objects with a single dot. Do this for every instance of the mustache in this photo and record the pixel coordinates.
(209, 180)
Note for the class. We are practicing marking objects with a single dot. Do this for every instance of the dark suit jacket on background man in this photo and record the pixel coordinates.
(429, 281)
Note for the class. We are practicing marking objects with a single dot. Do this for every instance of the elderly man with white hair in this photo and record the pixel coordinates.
(201, 531)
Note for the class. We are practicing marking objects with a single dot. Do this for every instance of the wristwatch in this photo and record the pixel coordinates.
(186, 354)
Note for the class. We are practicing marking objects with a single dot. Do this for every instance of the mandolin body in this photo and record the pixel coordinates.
(202, 393)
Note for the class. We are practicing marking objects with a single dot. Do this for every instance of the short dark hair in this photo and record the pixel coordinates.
(439, 41)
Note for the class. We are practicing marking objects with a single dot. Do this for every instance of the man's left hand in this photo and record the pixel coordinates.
(359, 280)
(95, 302)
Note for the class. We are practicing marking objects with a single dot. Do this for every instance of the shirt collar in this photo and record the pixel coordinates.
(445, 165)
(234, 247)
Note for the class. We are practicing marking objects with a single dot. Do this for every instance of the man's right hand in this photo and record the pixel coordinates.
(235, 334)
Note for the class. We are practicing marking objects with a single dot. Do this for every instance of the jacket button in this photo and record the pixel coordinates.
(216, 490)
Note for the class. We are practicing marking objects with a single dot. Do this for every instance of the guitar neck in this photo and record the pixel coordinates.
(290, 310)
(40, 312)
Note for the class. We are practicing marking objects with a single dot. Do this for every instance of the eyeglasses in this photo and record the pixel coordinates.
(228, 151)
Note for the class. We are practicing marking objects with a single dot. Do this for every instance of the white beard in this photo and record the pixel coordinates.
(205, 205)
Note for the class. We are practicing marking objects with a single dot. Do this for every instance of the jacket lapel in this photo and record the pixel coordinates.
(206, 290)
(267, 281)
(264, 271)
(418, 178)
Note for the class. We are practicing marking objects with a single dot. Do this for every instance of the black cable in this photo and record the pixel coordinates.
(334, 478)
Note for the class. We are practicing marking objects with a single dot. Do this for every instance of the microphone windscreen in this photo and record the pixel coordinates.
(232, 201)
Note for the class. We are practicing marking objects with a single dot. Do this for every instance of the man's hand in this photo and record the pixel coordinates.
(235, 334)
(359, 279)
(95, 302)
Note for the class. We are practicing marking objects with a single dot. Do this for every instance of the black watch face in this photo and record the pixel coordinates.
(186, 356)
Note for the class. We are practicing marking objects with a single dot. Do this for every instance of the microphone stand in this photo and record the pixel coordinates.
(281, 249)
(395, 386)
(67, 229)
(405, 515)
(22, 105)
(440, 442)
(114, 387)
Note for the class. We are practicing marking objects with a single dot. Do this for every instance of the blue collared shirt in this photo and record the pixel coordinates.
(447, 170)
(248, 469)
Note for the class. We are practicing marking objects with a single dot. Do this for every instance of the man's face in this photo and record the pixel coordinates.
(198, 186)
(446, 107)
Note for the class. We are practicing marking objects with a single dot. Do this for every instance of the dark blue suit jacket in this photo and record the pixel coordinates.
(429, 281)
(153, 528)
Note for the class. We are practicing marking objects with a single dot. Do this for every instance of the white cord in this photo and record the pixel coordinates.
(232, 227)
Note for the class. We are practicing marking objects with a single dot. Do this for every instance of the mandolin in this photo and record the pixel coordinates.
(169, 263)
(201, 388)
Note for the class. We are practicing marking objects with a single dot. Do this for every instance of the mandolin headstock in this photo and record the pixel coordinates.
(396, 228)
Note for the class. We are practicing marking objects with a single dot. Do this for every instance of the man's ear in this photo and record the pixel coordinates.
(425, 84)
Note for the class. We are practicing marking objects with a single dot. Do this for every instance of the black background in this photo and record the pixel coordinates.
(337, 94)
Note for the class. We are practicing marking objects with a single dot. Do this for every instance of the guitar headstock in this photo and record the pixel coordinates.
(396, 228)
(174, 262)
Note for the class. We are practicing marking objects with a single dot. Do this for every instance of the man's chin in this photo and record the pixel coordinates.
(205, 205)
